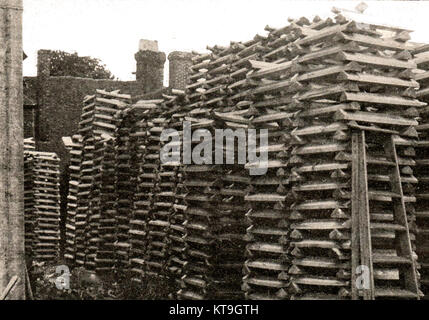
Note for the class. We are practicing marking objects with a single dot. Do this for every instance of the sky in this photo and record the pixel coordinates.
(110, 29)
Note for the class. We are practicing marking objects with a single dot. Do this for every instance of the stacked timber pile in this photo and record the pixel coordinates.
(72, 197)
(42, 205)
(163, 198)
(125, 186)
(143, 198)
(340, 78)
(214, 194)
(320, 83)
(176, 255)
(422, 163)
(96, 129)
(337, 101)
(105, 257)
(29, 216)
(106, 218)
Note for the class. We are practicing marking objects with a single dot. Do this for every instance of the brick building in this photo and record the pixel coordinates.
(53, 104)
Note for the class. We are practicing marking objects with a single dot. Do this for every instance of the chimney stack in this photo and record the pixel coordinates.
(179, 65)
(150, 65)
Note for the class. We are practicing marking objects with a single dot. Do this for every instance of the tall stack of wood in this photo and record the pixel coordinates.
(143, 198)
(42, 205)
(215, 208)
(72, 198)
(106, 220)
(176, 256)
(125, 186)
(29, 215)
(338, 78)
(265, 270)
(336, 100)
(97, 126)
(86, 178)
(163, 199)
(421, 58)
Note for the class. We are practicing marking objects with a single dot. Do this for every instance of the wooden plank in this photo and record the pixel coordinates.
(319, 186)
(364, 216)
(9, 287)
(377, 61)
(355, 241)
(254, 64)
(376, 79)
(323, 34)
(328, 72)
(320, 262)
(371, 117)
(318, 205)
(354, 106)
(381, 99)
(333, 127)
(332, 282)
(278, 116)
(285, 85)
(400, 217)
(322, 167)
(372, 42)
(372, 128)
(323, 148)
(319, 225)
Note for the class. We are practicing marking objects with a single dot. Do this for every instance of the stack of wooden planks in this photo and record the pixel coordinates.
(156, 256)
(421, 58)
(176, 256)
(345, 77)
(72, 198)
(143, 198)
(42, 205)
(106, 224)
(29, 216)
(125, 186)
(215, 207)
(96, 129)
(318, 82)
(337, 100)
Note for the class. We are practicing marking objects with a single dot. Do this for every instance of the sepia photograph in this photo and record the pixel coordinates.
(214, 156)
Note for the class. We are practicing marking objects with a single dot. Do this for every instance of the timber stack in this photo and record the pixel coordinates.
(163, 199)
(344, 191)
(104, 257)
(96, 129)
(421, 53)
(42, 206)
(72, 198)
(177, 248)
(143, 198)
(348, 80)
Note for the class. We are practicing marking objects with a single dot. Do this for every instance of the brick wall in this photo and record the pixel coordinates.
(29, 121)
(60, 104)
